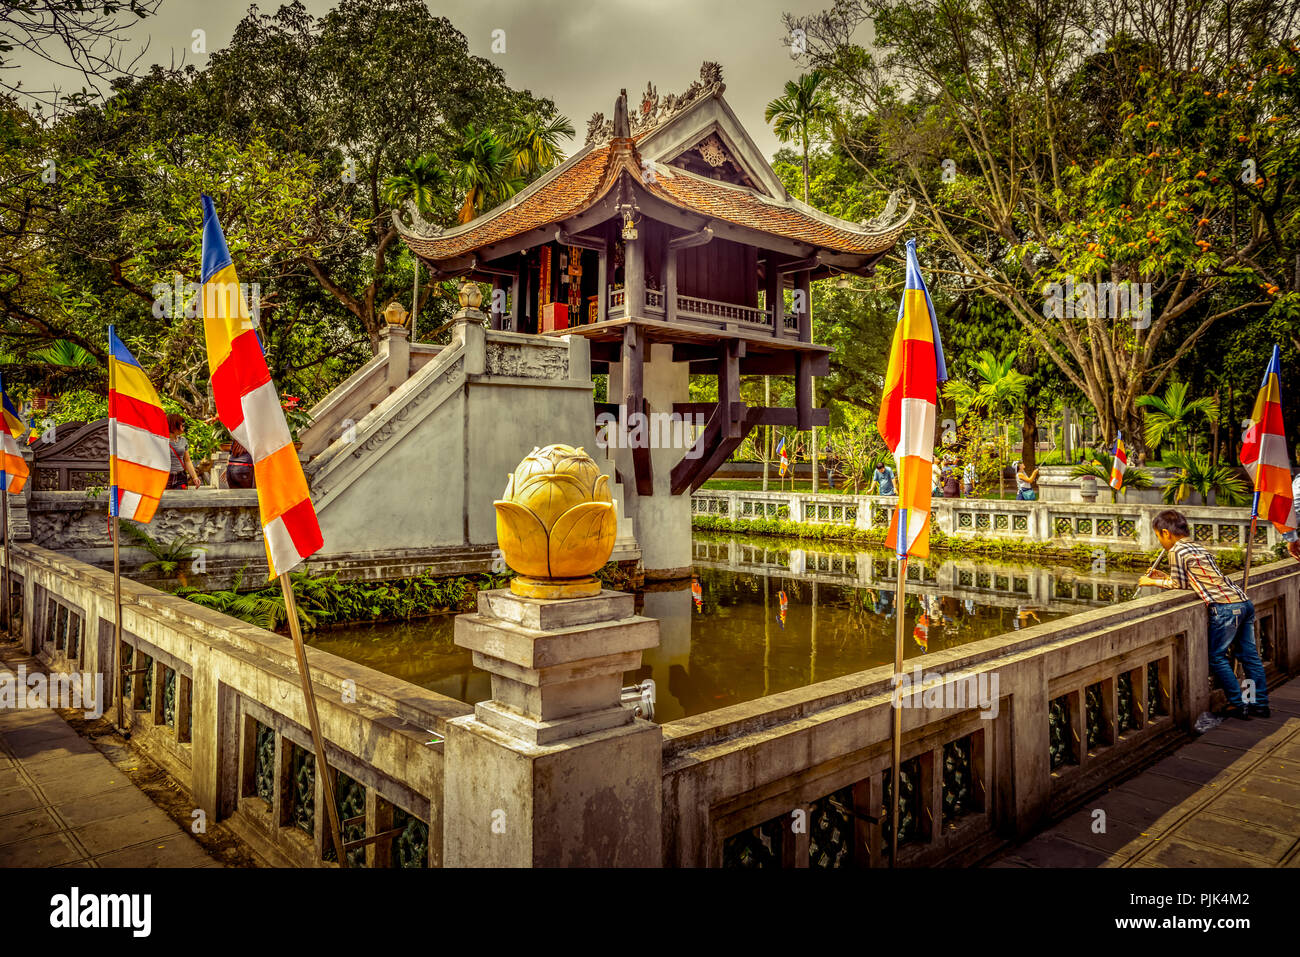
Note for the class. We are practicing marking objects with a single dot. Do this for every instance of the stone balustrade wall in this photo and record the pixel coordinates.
(802, 778)
(1118, 527)
(218, 703)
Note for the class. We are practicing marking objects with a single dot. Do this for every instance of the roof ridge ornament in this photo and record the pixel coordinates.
(410, 223)
(884, 220)
(656, 110)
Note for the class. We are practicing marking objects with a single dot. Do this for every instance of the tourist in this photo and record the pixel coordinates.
(1025, 483)
(181, 467)
(883, 481)
(936, 478)
(951, 487)
(1231, 614)
(239, 471)
(968, 478)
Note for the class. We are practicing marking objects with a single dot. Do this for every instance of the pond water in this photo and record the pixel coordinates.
(765, 615)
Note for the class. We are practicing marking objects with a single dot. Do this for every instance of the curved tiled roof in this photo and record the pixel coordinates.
(580, 182)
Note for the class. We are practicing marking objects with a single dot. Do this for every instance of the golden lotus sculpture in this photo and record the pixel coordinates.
(556, 523)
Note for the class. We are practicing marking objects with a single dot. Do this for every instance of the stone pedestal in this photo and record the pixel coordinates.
(553, 771)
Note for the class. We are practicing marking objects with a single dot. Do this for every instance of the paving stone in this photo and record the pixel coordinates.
(1257, 810)
(9, 778)
(97, 807)
(1078, 828)
(1182, 769)
(1229, 835)
(1171, 852)
(1290, 770)
(64, 768)
(48, 850)
(21, 798)
(26, 824)
(112, 834)
(98, 782)
(1049, 850)
(1157, 787)
(1270, 786)
(48, 749)
(178, 851)
(1145, 814)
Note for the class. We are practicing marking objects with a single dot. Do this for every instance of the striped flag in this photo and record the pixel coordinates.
(13, 467)
(907, 412)
(139, 456)
(1120, 465)
(1264, 452)
(249, 407)
(785, 459)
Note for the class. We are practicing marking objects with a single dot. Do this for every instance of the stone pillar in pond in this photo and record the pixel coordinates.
(662, 519)
(553, 771)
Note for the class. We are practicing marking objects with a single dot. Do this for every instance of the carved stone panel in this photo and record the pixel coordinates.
(527, 361)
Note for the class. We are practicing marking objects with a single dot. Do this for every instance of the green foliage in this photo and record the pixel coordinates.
(1194, 474)
(1098, 465)
(168, 557)
(1172, 417)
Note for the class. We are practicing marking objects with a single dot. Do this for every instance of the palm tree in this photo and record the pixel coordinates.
(1194, 473)
(424, 181)
(534, 142)
(1099, 464)
(1171, 416)
(999, 389)
(483, 172)
(804, 109)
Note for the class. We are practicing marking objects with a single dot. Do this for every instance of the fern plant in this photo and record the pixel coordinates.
(168, 557)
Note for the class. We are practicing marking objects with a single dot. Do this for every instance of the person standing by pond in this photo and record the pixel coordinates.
(239, 471)
(1025, 483)
(882, 481)
(1231, 613)
(968, 478)
(182, 468)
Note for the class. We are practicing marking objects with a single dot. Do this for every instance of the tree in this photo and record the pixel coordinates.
(800, 112)
(484, 172)
(998, 389)
(76, 34)
(1172, 418)
(1039, 157)
(533, 142)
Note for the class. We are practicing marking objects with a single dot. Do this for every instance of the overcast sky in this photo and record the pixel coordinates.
(577, 52)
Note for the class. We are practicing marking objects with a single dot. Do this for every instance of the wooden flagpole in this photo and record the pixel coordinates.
(4, 520)
(318, 743)
(896, 758)
(117, 620)
(1250, 547)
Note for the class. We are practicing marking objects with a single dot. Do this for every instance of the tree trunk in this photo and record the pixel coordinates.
(1029, 439)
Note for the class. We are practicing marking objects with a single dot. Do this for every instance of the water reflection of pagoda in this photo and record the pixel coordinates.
(669, 242)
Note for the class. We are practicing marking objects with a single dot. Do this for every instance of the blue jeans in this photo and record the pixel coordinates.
(1232, 628)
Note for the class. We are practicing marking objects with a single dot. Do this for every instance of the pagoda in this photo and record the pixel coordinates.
(669, 243)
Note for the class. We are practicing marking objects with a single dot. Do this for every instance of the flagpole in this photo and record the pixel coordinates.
(117, 618)
(896, 757)
(318, 743)
(4, 520)
(1250, 541)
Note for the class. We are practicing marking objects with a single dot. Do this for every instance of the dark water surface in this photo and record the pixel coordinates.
(770, 616)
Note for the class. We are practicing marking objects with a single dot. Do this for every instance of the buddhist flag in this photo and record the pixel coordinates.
(139, 456)
(13, 467)
(1120, 465)
(1264, 451)
(249, 407)
(785, 459)
(907, 412)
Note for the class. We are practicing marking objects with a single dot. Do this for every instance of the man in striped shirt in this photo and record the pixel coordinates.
(1231, 614)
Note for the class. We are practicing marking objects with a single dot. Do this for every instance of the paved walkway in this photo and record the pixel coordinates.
(1231, 798)
(63, 804)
